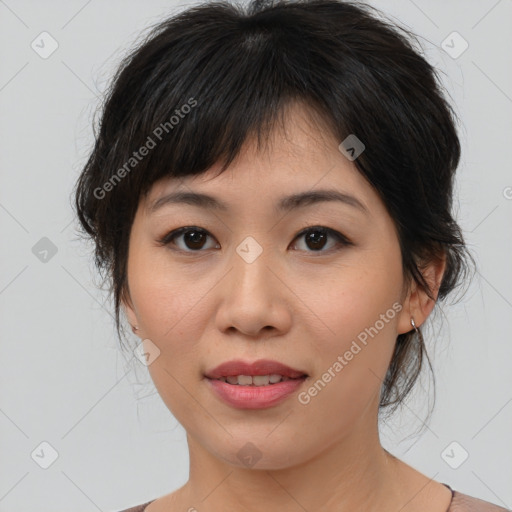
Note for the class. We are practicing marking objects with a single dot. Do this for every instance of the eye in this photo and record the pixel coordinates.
(194, 238)
(317, 236)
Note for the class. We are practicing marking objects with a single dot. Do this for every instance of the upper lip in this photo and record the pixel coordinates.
(259, 367)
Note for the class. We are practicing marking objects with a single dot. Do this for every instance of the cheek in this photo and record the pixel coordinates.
(163, 294)
(170, 313)
(345, 300)
(357, 312)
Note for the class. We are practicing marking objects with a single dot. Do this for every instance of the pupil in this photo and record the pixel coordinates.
(312, 238)
(195, 237)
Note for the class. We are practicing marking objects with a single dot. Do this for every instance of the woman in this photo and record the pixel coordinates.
(270, 195)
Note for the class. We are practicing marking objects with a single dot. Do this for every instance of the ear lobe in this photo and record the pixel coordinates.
(129, 309)
(418, 304)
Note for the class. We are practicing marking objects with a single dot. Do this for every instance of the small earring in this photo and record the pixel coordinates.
(418, 332)
(135, 328)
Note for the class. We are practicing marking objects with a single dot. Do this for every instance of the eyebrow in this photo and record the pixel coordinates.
(285, 204)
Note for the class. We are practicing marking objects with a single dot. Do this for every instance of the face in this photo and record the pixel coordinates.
(317, 287)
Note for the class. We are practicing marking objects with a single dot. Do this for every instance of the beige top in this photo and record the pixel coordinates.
(460, 503)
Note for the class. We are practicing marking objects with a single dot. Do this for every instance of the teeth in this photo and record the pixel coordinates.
(261, 380)
(244, 380)
(256, 380)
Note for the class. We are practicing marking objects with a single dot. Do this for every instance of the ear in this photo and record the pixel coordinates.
(127, 304)
(417, 303)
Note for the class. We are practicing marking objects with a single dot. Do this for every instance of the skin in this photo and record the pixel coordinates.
(296, 304)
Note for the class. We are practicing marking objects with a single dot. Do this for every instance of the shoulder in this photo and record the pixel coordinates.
(138, 508)
(465, 503)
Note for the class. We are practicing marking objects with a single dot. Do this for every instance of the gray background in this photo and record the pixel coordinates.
(64, 381)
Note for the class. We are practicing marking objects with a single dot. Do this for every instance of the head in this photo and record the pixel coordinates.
(251, 105)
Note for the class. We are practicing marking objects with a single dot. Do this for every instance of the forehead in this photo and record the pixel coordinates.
(301, 154)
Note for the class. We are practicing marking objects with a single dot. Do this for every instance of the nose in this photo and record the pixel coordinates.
(254, 298)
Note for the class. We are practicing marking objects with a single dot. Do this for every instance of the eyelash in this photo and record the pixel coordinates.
(342, 240)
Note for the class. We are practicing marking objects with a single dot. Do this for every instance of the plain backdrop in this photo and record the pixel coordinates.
(81, 427)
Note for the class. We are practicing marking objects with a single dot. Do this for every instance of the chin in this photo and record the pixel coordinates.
(260, 453)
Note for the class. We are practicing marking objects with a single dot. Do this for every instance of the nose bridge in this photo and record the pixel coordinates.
(251, 263)
(251, 302)
(250, 250)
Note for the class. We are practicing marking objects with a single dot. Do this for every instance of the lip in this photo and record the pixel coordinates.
(254, 397)
(259, 367)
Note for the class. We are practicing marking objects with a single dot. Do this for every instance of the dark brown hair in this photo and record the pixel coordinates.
(205, 80)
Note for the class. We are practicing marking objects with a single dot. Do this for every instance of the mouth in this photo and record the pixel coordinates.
(256, 385)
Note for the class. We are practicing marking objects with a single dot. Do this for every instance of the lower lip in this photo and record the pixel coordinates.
(255, 397)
